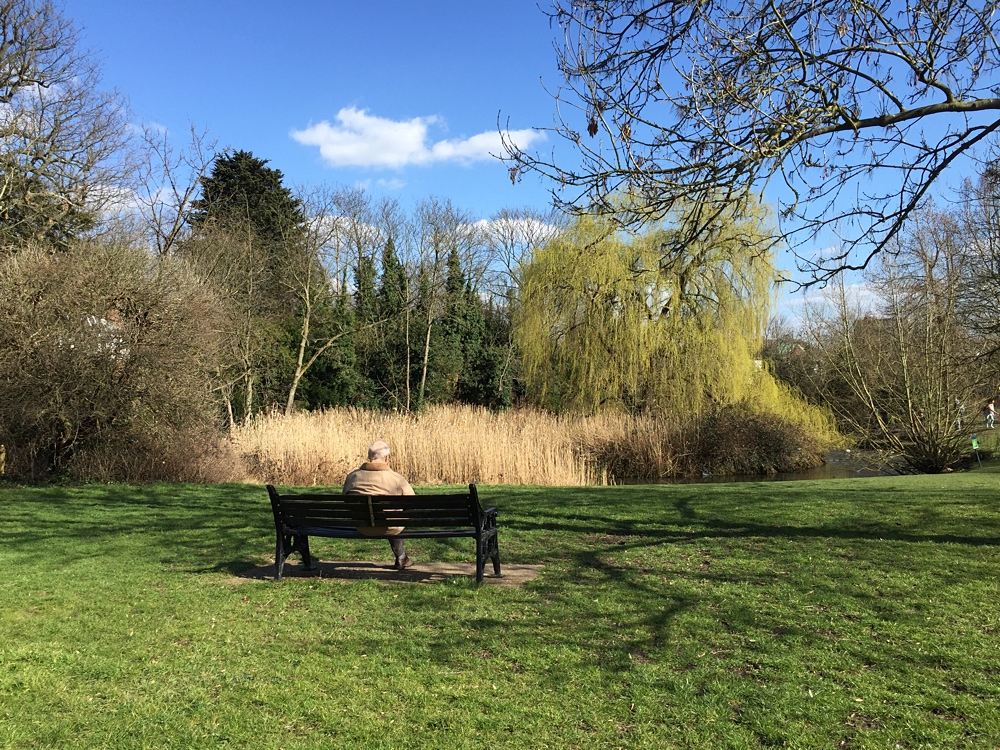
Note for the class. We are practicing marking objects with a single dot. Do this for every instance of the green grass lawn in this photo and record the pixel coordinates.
(854, 613)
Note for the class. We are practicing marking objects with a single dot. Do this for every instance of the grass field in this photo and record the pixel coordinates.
(848, 613)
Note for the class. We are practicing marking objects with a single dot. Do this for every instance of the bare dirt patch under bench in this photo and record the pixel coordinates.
(514, 576)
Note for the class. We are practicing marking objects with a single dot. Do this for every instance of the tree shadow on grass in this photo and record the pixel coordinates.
(175, 523)
(228, 530)
(689, 527)
(660, 511)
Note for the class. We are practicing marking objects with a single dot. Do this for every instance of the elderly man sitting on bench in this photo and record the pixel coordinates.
(376, 478)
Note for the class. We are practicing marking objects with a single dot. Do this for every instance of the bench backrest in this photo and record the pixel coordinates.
(415, 511)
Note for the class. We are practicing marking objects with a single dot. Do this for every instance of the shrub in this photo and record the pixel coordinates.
(106, 362)
(739, 440)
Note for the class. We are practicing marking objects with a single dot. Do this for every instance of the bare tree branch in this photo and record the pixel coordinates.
(169, 180)
(63, 155)
(848, 113)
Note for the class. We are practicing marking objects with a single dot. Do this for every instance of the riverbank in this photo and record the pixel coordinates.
(841, 464)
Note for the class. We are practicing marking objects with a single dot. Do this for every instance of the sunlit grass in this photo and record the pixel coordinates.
(845, 613)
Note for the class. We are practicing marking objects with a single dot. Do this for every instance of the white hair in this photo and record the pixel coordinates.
(378, 451)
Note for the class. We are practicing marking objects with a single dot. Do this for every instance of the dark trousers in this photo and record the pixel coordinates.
(397, 546)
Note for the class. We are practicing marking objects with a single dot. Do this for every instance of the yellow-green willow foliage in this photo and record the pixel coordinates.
(604, 322)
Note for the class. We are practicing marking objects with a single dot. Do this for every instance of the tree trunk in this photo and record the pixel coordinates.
(248, 399)
(427, 356)
(406, 333)
(299, 369)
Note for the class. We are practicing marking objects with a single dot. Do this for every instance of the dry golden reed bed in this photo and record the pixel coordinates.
(450, 445)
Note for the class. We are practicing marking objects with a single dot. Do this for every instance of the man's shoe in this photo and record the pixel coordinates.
(403, 563)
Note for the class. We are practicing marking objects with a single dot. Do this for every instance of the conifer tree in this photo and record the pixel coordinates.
(393, 356)
(242, 190)
(334, 379)
(476, 383)
(366, 343)
(248, 241)
(420, 348)
(449, 334)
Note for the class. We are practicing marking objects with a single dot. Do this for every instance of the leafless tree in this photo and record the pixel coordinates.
(344, 228)
(512, 235)
(901, 373)
(332, 241)
(847, 113)
(63, 155)
(234, 265)
(168, 181)
(979, 200)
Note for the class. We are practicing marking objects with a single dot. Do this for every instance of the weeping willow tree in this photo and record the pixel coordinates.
(604, 322)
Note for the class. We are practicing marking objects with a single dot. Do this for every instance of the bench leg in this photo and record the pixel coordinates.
(301, 544)
(480, 559)
(280, 553)
(487, 549)
(493, 552)
(288, 545)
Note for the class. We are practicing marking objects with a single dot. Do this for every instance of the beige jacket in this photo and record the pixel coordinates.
(376, 478)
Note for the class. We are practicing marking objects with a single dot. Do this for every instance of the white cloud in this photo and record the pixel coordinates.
(358, 139)
(152, 128)
(518, 230)
(393, 184)
(860, 295)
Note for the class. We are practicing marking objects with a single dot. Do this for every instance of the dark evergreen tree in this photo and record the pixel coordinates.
(488, 377)
(392, 294)
(245, 197)
(447, 334)
(365, 276)
(249, 241)
(334, 379)
(242, 191)
(366, 344)
(391, 366)
(473, 333)
(422, 311)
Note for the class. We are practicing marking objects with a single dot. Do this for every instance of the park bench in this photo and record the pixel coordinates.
(299, 516)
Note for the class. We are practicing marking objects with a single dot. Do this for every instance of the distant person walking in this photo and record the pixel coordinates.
(990, 413)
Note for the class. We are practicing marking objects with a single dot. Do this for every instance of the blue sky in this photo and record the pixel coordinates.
(399, 96)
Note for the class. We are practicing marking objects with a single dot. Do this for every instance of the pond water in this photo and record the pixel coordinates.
(839, 465)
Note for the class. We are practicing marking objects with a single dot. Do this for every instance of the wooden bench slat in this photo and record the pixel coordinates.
(423, 501)
(446, 515)
(331, 512)
(347, 532)
(313, 519)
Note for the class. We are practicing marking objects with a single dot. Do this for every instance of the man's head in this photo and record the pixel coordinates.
(378, 451)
